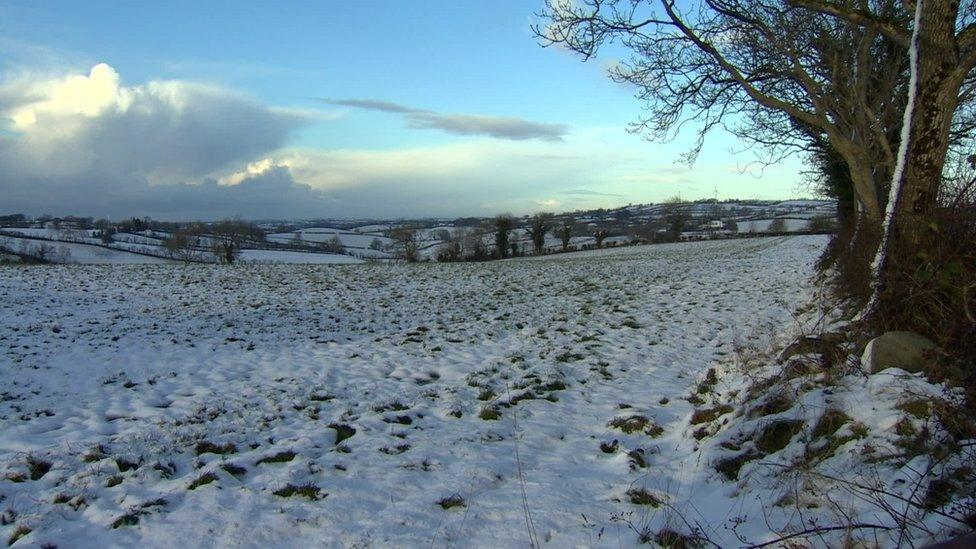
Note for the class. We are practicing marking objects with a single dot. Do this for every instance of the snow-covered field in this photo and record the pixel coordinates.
(72, 252)
(282, 256)
(790, 225)
(181, 405)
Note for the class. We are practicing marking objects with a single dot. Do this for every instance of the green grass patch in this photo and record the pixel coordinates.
(828, 424)
(280, 457)
(918, 408)
(490, 413)
(709, 414)
(776, 435)
(773, 405)
(731, 466)
(636, 423)
(308, 490)
(235, 470)
(37, 468)
(343, 432)
(640, 496)
(451, 502)
(207, 447)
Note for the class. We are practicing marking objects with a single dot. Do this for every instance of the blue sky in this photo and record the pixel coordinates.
(361, 109)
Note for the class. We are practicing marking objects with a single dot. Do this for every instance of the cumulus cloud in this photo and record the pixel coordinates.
(163, 131)
(500, 127)
(86, 142)
(89, 144)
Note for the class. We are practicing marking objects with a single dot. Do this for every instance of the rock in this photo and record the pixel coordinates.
(906, 350)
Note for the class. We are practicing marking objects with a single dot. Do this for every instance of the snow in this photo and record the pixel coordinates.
(277, 256)
(317, 235)
(373, 228)
(762, 225)
(139, 364)
(83, 253)
(53, 234)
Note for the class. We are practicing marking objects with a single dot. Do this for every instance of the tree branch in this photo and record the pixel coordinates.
(859, 17)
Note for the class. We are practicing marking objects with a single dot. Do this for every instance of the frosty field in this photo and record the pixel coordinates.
(377, 404)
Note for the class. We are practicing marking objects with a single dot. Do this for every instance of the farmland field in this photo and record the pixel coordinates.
(473, 404)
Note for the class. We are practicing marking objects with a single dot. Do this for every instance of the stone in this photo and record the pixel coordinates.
(906, 350)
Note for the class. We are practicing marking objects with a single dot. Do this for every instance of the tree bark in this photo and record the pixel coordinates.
(912, 227)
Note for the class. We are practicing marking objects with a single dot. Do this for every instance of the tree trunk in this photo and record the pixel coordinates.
(935, 103)
(865, 189)
(909, 228)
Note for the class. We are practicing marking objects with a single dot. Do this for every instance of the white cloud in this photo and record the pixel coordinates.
(161, 131)
(87, 96)
(89, 144)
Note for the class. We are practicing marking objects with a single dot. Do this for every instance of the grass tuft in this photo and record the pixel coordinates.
(343, 432)
(670, 539)
(207, 447)
(490, 413)
(128, 519)
(19, 532)
(235, 470)
(829, 423)
(918, 408)
(37, 467)
(636, 423)
(731, 466)
(709, 414)
(280, 457)
(555, 385)
(452, 501)
(308, 490)
(640, 496)
(773, 405)
(202, 480)
(776, 435)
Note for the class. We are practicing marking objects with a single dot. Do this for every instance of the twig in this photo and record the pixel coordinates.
(529, 525)
(820, 530)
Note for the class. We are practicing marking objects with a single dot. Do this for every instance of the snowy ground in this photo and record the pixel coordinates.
(172, 402)
(282, 256)
(73, 252)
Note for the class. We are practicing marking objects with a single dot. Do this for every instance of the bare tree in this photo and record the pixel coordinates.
(106, 230)
(405, 243)
(599, 235)
(333, 245)
(676, 216)
(777, 76)
(454, 246)
(539, 225)
(503, 225)
(835, 76)
(941, 39)
(184, 243)
(565, 235)
(475, 248)
(231, 235)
